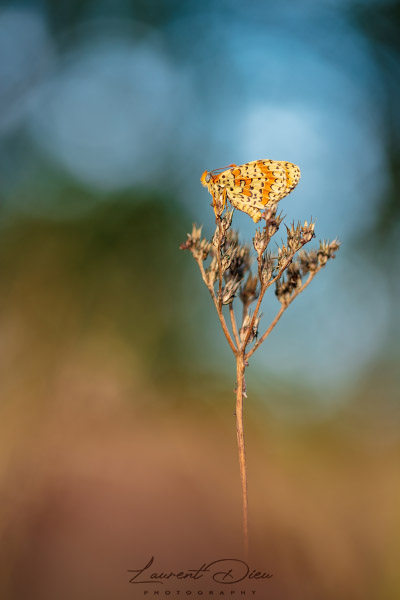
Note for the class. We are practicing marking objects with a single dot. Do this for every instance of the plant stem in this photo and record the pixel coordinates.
(220, 273)
(234, 326)
(240, 367)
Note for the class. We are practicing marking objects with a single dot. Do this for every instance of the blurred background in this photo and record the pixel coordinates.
(117, 431)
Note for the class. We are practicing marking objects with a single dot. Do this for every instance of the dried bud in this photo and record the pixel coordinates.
(248, 292)
(200, 248)
(307, 231)
(254, 331)
(232, 237)
(293, 274)
(192, 238)
(218, 239)
(272, 221)
(245, 328)
(334, 247)
(322, 258)
(327, 250)
(226, 221)
(284, 255)
(267, 268)
(218, 204)
(294, 237)
(228, 258)
(230, 289)
(196, 232)
(204, 248)
(260, 241)
(241, 262)
(308, 261)
(286, 285)
(212, 272)
(283, 291)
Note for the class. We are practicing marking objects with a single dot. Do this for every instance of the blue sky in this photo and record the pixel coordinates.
(115, 104)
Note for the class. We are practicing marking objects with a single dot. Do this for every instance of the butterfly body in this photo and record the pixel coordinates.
(252, 186)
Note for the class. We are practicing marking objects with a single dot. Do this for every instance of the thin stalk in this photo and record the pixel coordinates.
(241, 448)
(233, 323)
(220, 274)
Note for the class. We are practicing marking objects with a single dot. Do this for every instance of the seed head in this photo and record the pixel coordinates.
(308, 261)
(327, 250)
(283, 291)
(200, 248)
(260, 241)
(196, 232)
(284, 255)
(246, 325)
(192, 238)
(294, 237)
(218, 205)
(205, 248)
(212, 272)
(229, 256)
(267, 268)
(248, 291)
(307, 231)
(241, 261)
(293, 274)
(229, 292)
(226, 220)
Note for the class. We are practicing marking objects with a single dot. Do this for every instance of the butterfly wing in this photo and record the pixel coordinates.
(252, 186)
(250, 207)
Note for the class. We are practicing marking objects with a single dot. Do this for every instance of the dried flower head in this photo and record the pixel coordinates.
(200, 248)
(327, 250)
(267, 268)
(260, 241)
(308, 261)
(248, 291)
(250, 328)
(230, 288)
(211, 272)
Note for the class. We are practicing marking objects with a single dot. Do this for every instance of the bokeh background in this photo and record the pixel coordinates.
(117, 429)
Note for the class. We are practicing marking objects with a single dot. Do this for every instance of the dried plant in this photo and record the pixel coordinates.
(226, 269)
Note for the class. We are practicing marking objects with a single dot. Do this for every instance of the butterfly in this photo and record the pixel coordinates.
(252, 186)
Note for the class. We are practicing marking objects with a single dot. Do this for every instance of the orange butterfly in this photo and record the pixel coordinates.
(252, 186)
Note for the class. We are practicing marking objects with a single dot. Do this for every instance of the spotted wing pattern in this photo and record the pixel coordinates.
(254, 185)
